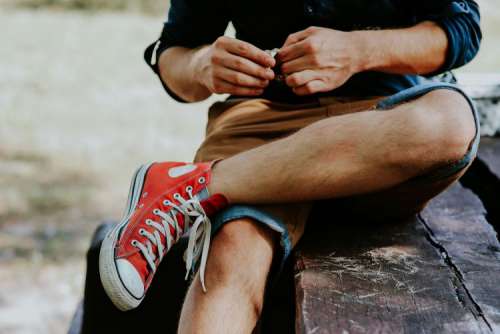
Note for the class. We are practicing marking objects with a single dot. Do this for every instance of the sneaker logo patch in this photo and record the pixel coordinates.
(181, 170)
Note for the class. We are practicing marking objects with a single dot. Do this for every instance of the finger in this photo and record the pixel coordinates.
(224, 87)
(241, 79)
(298, 36)
(244, 65)
(312, 87)
(306, 62)
(296, 50)
(247, 50)
(298, 79)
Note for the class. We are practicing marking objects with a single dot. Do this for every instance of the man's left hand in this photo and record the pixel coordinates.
(319, 59)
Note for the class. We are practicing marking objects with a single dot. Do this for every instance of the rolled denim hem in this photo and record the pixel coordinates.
(235, 212)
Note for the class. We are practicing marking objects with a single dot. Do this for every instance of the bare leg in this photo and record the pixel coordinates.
(238, 265)
(351, 154)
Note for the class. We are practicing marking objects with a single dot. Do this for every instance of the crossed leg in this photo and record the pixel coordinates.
(351, 154)
(348, 155)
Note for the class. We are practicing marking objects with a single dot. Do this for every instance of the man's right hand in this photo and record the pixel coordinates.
(232, 66)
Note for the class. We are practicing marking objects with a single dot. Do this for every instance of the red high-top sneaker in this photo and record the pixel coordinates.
(166, 201)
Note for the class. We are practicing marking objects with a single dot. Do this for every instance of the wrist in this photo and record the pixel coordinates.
(368, 54)
(199, 64)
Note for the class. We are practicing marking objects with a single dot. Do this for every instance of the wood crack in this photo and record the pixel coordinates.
(463, 294)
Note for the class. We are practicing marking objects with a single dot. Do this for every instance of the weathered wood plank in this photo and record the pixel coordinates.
(399, 277)
(457, 226)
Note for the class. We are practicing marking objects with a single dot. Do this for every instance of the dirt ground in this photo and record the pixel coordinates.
(79, 111)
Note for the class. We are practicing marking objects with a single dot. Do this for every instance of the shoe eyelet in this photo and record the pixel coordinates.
(141, 231)
(177, 195)
(189, 189)
(167, 202)
(149, 222)
(201, 180)
(156, 211)
(134, 243)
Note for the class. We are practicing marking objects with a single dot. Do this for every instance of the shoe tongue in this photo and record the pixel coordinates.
(202, 194)
(214, 204)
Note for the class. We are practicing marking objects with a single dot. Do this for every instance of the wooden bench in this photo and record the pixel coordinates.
(438, 272)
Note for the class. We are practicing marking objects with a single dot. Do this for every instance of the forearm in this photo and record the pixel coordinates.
(420, 49)
(179, 70)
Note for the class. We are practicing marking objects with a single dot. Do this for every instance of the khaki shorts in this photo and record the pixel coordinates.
(237, 125)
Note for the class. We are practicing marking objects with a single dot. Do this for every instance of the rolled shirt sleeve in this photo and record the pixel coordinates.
(190, 24)
(461, 22)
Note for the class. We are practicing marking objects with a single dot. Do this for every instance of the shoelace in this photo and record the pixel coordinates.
(200, 231)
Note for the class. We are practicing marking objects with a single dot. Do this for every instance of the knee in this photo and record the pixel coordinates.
(454, 122)
(443, 126)
(240, 258)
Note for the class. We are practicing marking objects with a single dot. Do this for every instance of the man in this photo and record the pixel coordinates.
(350, 120)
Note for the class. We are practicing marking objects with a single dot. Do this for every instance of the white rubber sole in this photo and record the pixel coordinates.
(110, 279)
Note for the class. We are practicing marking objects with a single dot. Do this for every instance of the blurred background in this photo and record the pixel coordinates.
(79, 111)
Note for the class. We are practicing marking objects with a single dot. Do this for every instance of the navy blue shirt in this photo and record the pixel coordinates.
(267, 23)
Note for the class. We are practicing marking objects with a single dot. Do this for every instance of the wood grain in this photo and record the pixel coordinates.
(434, 273)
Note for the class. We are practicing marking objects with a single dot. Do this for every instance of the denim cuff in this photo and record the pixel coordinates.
(235, 212)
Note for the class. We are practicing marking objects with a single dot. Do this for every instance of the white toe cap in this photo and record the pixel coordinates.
(130, 278)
